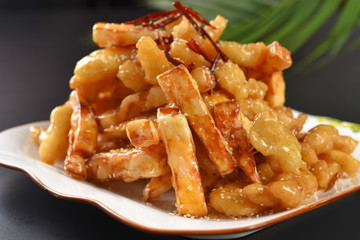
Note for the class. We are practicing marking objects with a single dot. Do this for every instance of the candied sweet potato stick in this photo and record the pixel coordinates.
(142, 133)
(84, 126)
(128, 164)
(53, 142)
(152, 59)
(180, 88)
(176, 135)
(277, 58)
(275, 95)
(204, 79)
(82, 137)
(227, 118)
(116, 131)
(119, 35)
(141, 102)
(157, 186)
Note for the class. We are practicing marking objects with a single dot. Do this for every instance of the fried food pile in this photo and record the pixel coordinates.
(164, 99)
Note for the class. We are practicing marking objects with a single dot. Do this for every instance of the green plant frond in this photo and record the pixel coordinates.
(336, 39)
(322, 14)
(290, 22)
(354, 45)
(233, 10)
(238, 31)
(269, 25)
(304, 10)
(347, 20)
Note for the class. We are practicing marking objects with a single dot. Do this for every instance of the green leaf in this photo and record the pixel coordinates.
(234, 11)
(293, 23)
(354, 45)
(270, 24)
(327, 9)
(304, 10)
(238, 31)
(336, 39)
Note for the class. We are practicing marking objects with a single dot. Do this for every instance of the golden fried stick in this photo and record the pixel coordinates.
(116, 131)
(176, 135)
(152, 59)
(157, 186)
(228, 120)
(277, 58)
(128, 164)
(54, 141)
(204, 79)
(119, 35)
(82, 137)
(180, 88)
(141, 102)
(275, 95)
(142, 133)
(249, 55)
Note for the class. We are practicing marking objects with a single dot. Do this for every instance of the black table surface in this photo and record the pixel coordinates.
(38, 52)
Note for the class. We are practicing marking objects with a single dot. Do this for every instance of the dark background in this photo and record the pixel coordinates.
(40, 43)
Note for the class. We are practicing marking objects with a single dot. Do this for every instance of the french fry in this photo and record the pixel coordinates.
(142, 133)
(116, 131)
(175, 133)
(277, 58)
(275, 95)
(141, 102)
(90, 90)
(214, 97)
(128, 164)
(82, 138)
(119, 35)
(245, 55)
(203, 159)
(227, 118)
(132, 76)
(180, 88)
(84, 126)
(204, 79)
(54, 141)
(179, 50)
(107, 119)
(184, 30)
(101, 64)
(105, 143)
(157, 186)
(74, 164)
(152, 59)
(218, 25)
(96, 72)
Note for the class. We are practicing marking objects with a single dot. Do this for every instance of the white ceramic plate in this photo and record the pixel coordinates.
(123, 200)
